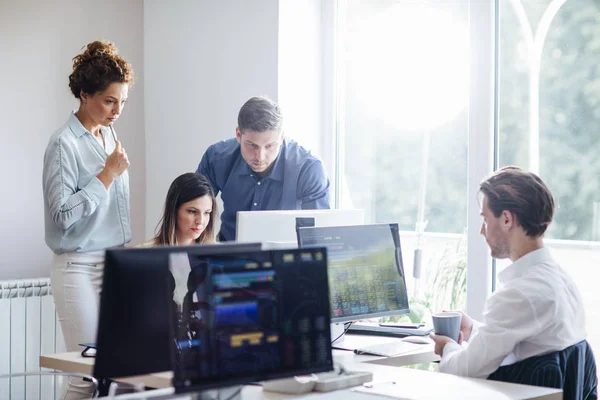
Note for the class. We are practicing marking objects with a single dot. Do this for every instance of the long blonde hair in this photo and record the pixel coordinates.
(184, 188)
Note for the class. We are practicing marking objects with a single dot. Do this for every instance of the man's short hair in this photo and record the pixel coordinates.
(522, 193)
(260, 114)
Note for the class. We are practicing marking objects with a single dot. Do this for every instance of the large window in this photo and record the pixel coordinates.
(407, 77)
(403, 122)
(549, 114)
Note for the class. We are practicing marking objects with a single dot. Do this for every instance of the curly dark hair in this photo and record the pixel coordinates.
(97, 67)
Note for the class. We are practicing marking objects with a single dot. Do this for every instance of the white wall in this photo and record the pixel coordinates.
(203, 60)
(196, 63)
(38, 39)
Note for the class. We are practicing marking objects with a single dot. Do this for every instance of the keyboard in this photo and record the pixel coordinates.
(375, 329)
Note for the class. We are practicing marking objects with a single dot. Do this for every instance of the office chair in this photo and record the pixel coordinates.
(573, 370)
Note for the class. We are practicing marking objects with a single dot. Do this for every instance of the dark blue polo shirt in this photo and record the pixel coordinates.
(296, 181)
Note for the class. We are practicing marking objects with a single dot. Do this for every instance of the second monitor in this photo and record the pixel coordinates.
(366, 275)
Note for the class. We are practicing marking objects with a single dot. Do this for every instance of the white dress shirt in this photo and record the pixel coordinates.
(537, 310)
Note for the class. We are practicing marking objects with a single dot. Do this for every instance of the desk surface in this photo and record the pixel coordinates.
(74, 362)
(410, 384)
(423, 354)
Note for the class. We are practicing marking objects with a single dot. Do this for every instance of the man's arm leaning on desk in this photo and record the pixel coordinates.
(510, 320)
(313, 186)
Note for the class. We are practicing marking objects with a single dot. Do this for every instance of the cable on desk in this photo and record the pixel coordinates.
(341, 348)
(346, 327)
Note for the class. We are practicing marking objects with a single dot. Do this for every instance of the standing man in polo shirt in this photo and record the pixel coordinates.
(260, 170)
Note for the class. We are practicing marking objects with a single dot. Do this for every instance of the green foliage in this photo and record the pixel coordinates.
(450, 282)
(569, 108)
(383, 163)
(447, 290)
(427, 366)
(445, 286)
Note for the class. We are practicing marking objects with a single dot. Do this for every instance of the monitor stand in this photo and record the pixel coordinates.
(227, 393)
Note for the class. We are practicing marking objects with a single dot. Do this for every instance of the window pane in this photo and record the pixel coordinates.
(549, 115)
(404, 112)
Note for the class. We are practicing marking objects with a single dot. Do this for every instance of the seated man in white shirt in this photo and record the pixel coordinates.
(537, 308)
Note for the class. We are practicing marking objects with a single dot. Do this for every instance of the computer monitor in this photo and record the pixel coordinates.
(366, 275)
(134, 327)
(249, 317)
(280, 226)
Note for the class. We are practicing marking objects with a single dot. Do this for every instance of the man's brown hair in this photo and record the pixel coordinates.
(522, 193)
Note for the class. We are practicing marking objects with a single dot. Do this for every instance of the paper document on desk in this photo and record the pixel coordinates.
(388, 349)
(410, 391)
(340, 395)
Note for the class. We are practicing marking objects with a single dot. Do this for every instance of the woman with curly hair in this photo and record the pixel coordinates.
(86, 193)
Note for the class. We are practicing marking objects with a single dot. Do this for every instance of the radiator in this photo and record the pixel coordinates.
(28, 327)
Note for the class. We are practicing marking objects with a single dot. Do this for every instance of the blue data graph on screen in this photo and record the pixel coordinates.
(235, 322)
(236, 314)
(241, 279)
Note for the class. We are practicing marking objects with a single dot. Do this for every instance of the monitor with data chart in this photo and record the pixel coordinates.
(366, 275)
(249, 316)
(134, 329)
(280, 226)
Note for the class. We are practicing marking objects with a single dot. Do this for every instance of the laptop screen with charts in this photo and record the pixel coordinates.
(280, 226)
(366, 275)
(134, 329)
(249, 317)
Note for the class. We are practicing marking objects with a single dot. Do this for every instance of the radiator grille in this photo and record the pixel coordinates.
(28, 327)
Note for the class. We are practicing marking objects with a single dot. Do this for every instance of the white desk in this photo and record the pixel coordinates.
(410, 384)
(74, 362)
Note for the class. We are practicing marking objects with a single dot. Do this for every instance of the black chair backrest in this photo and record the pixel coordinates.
(573, 370)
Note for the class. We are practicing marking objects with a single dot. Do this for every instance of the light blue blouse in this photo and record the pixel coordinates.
(80, 214)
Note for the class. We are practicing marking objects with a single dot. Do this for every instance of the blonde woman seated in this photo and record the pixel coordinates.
(189, 213)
